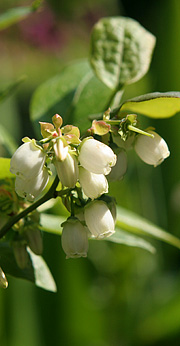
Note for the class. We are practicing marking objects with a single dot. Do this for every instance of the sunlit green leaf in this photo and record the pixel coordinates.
(4, 168)
(154, 105)
(42, 275)
(120, 51)
(51, 223)
(14, 15)
(122, 237)
(136, 224)
(36, 271)
(74, 94)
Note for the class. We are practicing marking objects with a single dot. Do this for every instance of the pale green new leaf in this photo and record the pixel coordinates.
(154, 105)
(133, 223)
(120, 51)
(4, 168)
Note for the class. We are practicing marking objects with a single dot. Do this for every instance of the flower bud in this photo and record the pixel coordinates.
(27, 161)
(67, 170)
(96, 157)
(20, 254)
(34, 240)
(152, 151)
(120, 168)
(93, 185)
(57, 121)
(60, 149)
(74, 239)
(31, 188)
(99, 219)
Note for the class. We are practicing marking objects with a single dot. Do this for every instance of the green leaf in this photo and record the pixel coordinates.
(134, 223)
(4, 168)
(14, 15)
(36, 271)
(42, 275)
(74, 94)
(7, 91)
(122, 237)
(7, 140)
(154, 105)
(120, 51)
(52, 223)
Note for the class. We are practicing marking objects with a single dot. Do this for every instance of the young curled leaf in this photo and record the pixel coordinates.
(100, 128)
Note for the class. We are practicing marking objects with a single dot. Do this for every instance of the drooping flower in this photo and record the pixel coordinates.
(152, 151)
(27, 161)
(93, 185)
(96, 157)
(67, 170)
(99, 219)
(74, 239)
(32, 187)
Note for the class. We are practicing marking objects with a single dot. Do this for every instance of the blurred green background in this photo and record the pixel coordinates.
(119, 296)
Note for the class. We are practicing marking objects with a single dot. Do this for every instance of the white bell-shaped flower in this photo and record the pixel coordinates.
(74, 239)
(120, 168)
(96, 157)
(31, 188)
(99, 219)
(67, 170)
(152, 151)
(27, 161)
(93, 185)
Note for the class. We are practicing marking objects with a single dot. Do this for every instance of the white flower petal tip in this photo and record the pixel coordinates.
(93, 185)
(96, 157)
(99, 219)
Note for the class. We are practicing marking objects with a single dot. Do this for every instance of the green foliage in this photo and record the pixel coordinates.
(5, 166)
(6, 92)
(154, 105)
(36, 270)
(120, 51)
(73, 94)
(7, 141)
(17, 14)
(131, 222)
(120, 54)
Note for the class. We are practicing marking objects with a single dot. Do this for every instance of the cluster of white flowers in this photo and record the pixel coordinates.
(84, 165)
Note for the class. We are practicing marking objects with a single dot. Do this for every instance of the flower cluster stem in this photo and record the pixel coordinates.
(13, 220)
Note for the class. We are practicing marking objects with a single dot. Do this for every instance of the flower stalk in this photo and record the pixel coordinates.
(51, 193)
